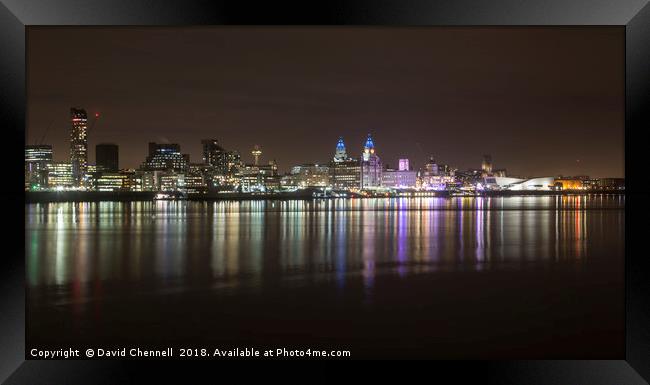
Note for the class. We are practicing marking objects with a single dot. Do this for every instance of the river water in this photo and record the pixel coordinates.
(499, 277)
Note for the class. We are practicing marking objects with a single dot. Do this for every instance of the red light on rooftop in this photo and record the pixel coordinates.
(97, 114)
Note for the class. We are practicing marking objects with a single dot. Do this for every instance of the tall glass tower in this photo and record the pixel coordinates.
(78, 144)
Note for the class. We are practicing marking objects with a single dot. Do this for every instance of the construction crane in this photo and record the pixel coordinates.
(40, 142)
(92, 125)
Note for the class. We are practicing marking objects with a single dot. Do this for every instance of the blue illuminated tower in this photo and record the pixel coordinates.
(340, 155)
(370, 166)
(368, 149)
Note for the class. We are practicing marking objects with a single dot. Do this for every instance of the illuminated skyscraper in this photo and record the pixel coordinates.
(370, 166)
(78, 144)
(404, 165)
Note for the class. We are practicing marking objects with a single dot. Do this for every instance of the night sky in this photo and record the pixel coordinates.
(541, 101)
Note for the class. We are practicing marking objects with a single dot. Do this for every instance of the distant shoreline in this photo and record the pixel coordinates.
(104, 196)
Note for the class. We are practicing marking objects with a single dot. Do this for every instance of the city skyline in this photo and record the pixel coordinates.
(368, 144)
(275, 88)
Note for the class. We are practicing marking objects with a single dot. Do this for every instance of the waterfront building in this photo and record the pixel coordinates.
(164, 157)
(344, 172)
(37, 159)
(517, 184)
(308, 175)
(148, 180)
(59, 176)
(107, 157)
(251, 180)
(443, 181)
(111, 181)
(399, 179)
(218, 182)
(402, 178)
(611, 183)
(562, 183)
(195, 184)
(436, 182)
(469, 177)
(371, 167)
(90, 178)
(259, 178)
(133, 182)
(591, 183)
(171, 181)
(195, 178)
(436, 176)
(270, 175)
(78, 144)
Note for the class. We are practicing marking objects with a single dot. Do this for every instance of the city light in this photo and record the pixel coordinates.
(170, 174)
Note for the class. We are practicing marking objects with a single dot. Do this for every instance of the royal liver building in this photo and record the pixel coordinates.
(370, 166)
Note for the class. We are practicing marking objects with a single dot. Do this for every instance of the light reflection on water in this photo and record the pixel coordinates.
(258, 243)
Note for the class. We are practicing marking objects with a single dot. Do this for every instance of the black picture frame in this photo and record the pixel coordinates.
(634, 15)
